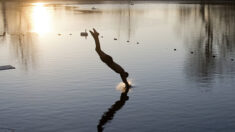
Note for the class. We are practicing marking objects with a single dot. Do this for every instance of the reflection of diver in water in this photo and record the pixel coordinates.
(108, 59)
(108, 115)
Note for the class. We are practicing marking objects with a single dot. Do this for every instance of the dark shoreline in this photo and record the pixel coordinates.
(133, 1)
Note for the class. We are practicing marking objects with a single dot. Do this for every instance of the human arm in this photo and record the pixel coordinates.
(124, 79)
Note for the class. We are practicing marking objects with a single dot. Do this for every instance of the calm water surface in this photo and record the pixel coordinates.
(60, 83)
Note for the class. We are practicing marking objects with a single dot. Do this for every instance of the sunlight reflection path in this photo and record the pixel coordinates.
(41, 19)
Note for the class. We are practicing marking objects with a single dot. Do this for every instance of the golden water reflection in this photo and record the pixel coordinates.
(209, 32)
(41, 19)
(209, 29)
(21, 24)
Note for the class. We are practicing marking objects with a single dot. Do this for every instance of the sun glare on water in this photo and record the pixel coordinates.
(41, 19)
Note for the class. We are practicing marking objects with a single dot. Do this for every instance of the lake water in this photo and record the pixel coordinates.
(60, 84)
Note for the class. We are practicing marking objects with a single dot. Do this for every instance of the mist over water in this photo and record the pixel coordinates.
(61, 84)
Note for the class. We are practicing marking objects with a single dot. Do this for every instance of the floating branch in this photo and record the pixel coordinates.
(7, 67)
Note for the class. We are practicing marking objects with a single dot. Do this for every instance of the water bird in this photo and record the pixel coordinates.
(174, 49)
(93, 8)
(84, 34)
(137, 43)
(101, 36)
(191, 52)
(213, 56)
(7, 67)
(115, 39)
(59, 34)
(127, 41)
(70, 34)
(232, 59)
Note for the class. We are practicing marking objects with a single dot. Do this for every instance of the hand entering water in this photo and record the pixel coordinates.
(108, 60)
(95, 34)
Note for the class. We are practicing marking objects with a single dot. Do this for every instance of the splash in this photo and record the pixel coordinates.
(121, 86)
